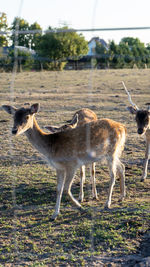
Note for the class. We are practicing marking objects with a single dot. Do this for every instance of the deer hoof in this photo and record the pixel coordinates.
(82, 210)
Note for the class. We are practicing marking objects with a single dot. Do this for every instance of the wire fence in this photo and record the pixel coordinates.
(102, 60)
(75, 30)
(83, 62)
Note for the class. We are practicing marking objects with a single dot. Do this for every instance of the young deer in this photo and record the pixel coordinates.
(142, 118)
(68, 150)
(80, 117)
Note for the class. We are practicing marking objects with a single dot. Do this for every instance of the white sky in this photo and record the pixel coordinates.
(82, 14)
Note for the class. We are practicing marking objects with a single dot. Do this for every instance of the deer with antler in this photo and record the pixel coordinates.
(80, 117)
(68, 150)
(142, 117)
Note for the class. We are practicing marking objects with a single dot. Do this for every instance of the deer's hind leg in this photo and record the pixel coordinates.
(112, 170)
(147, 156)
(70, 172)
(121, 174)
(93, 180)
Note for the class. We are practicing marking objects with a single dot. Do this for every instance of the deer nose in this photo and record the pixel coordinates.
(14, 131)
(140, 131)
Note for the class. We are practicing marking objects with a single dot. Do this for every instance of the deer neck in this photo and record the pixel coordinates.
(37, 137)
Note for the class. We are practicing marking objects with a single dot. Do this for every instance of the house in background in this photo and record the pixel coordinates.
(25, 49)
(85, 61)
(92, 45)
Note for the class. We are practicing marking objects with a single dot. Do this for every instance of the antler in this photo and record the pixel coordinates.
(129, 97)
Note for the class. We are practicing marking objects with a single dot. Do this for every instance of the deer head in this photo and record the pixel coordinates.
(142, 117)
(23, 117)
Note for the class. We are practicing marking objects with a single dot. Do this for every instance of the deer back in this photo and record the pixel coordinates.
(85, 115)
(102, 137)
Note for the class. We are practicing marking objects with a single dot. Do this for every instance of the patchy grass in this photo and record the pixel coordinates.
(28, 185)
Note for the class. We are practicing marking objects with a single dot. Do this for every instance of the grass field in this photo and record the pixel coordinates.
(28, 186)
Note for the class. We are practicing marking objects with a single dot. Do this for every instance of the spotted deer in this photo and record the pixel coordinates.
(68, 150)
(80, 117)
(142, 117)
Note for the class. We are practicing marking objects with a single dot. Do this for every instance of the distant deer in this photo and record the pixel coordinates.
(142, 118)
(68, 150)
(80, 117)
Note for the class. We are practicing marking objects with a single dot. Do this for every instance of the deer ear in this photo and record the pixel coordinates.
(9, 109)
(34, 108)
(52, 129)
(74, 122)
(132, 110)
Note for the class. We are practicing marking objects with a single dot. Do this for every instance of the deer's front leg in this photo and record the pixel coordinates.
(60, 187)
(147, 155)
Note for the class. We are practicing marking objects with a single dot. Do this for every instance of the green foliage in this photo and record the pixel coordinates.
(56, 47)
(24, 60)
(20, 39)
(3, 27)
(3, 21)
(34, 38)
(54, 65)
(103, 55)
(62, 45)
(128, 53)
(28, 39)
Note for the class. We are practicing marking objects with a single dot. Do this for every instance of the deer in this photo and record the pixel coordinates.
(142, 118)
(80, 117)
(68, 150)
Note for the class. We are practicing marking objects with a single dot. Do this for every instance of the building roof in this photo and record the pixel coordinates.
(97, 39)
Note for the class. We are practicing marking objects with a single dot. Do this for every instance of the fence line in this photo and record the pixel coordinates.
(74, 30)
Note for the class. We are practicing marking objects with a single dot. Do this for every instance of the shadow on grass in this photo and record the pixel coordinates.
(27, 195)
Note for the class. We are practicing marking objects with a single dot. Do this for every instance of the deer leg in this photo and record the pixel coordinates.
(82, 180)
(112, 170)
(60, 187)
(68, 183)
(93, 180)
(121, 173)
(147, 155)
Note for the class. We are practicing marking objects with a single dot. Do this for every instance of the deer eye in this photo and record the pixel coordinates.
(26, 118)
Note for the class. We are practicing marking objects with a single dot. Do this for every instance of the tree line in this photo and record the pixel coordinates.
(57, 46)
(129, 53)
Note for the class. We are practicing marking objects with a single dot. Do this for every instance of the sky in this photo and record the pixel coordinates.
(84, 14)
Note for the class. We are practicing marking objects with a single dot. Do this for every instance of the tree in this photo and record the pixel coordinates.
(129, 52)
(20, 39)
(136, 50)
(3, 27)
(25, 60)
(57, 47)
(102, 55)
(115, 56)
(34, 38)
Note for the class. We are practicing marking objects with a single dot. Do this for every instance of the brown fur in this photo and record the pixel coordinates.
(66, 151)
(142, 118)
(85, 115)
(80, 117)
